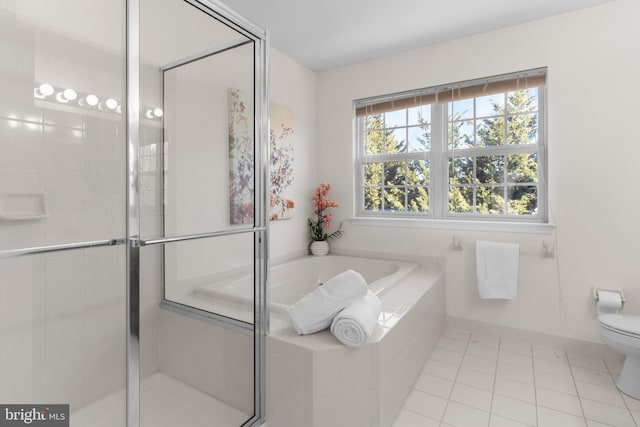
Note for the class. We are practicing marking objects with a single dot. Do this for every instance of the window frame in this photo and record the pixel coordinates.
(439, 156)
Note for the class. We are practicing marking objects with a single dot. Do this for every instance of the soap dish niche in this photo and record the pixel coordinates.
(23, 207)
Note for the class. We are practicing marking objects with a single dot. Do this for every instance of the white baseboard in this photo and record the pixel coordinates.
(568, 345)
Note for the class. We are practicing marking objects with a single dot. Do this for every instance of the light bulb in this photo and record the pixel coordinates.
(70, 94)
(149, 114)
(61, 98)
(158, 112)
(46, 89)
(119, 109)
(92, 100)
(111, 103)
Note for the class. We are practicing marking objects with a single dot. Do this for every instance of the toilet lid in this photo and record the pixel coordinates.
(622, 322)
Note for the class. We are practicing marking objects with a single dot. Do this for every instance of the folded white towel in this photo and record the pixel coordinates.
(497, 269)
(315, 311)
(354, 325)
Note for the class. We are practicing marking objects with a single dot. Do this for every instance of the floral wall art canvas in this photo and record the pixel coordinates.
(281, 164)
(241, 169)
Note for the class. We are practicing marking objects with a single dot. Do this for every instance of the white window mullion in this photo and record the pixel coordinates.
(542, 155)
(439, 173)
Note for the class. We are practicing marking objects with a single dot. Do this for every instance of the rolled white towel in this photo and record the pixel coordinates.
(354, 325)
(315, 311)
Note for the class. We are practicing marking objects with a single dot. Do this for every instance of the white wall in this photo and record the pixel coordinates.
(294, 87)
(593, 60)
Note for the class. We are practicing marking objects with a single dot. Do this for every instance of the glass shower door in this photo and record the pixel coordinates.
(201, 167)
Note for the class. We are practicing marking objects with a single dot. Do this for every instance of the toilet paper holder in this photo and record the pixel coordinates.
(596, 297)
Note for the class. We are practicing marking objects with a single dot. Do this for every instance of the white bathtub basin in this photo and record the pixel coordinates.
(290, 281)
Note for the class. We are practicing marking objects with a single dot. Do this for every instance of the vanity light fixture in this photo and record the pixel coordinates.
(71, 98)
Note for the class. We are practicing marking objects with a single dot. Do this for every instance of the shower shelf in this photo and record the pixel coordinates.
(23, 207)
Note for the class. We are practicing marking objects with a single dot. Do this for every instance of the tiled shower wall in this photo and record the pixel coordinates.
(61, 314)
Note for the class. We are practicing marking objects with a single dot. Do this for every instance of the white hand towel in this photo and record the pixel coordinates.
(354, 325)
(315, 311)
(497, 269)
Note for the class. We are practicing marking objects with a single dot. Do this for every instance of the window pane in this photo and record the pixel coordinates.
(397, 141)
(522, 167)
(418, 199)
(490, 200)
(523, 200)
(374, 122)
(372, 174)
(394, 119)
(374, 142)
(372, 199)
(490, 105)
(460, 199)
(418, 172)
(461, 134)
(522, 129)
(461, 170)
(394, 199)
(462, 109)
(420, 115)
(420, 138)
(490, 132)
(490, 169)
(522, 101)
(394, 173)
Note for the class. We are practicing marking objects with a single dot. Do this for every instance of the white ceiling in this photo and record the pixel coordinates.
(330, 33)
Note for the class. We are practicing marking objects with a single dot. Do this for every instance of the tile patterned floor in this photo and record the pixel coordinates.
(474, 380)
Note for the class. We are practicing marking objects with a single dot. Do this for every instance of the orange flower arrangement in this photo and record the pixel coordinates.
(318, 226)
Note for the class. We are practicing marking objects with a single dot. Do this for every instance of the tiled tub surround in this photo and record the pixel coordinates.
(215, 360)
(479, 379)
(314, 381)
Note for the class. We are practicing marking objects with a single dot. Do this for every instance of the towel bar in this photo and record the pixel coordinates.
(548, 248)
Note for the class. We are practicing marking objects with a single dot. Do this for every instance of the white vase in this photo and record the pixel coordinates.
(319, 247)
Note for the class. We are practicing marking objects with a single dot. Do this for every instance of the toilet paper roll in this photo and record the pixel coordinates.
(609, 301)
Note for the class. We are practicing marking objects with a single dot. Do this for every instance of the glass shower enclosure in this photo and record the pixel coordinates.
(133, 222)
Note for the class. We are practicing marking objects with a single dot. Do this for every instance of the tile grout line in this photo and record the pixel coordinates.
(495, 376)
(455, 378)
(624, 401)
(535, 389)
(573, 378)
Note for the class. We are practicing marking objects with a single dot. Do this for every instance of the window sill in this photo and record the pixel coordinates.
(443, 224)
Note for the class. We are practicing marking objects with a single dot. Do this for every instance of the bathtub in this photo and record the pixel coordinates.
(315, 381)
(290, 281)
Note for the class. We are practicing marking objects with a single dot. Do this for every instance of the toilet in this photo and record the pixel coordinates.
(622, 333)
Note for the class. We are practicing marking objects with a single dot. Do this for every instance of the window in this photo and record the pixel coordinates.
(470, 150)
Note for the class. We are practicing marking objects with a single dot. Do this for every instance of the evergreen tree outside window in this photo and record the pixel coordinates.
(470, 150)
